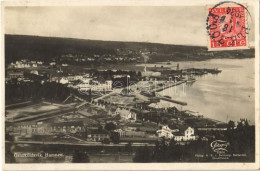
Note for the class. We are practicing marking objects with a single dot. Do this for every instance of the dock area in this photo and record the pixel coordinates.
(168, 86)
(174, 101)
(168, 99)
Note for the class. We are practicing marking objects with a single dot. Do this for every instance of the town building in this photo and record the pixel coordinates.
(212, 129)
(15, 74)
(187, 136)
(64, 80)
(52, 63)
(99, 135)
(130, 133)
(39, 62)
(192, 113)
(146, 73)
(35, 72)
(88, 84)
(20, 64)
(25, 128)
(125, 113)
(166, 132)
(24, 64)
(68, 127)
(40, 128)
(30, 128)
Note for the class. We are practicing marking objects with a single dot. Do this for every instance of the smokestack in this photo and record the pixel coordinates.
(146, 58)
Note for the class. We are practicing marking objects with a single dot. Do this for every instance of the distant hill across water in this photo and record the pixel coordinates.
(46, 49)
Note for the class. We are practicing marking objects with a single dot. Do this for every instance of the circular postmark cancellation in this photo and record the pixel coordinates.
(227, 26)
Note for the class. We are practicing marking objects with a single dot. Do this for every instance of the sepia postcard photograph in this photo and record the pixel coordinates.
(105, 85)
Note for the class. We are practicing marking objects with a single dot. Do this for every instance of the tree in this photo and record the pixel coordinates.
(128, 147)
(9, 157)
(242, 139)
(106, 141)
(231, 124)
(143, 155)
(110, 126)
(117, 117)
(139, 74)
(161, 151)
(100, 128)
(115, 137)
(80, 157)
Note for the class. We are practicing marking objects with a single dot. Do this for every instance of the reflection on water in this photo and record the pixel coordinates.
(226, 96)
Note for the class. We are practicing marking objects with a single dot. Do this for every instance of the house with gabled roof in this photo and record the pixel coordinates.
(166, 132)
(125, 113)
(187, 135)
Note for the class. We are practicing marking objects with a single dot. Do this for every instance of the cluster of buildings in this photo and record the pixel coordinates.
(24, 76)
(40, 128)
(130, 132)
(94, 85)
(146, 73)
(31, 128)
(65, 79)
(19, 75)
(129, 127)
(186, 135)
(126, 114)
(25, 64)
(15, 74)
(121, 56)
(82, 82)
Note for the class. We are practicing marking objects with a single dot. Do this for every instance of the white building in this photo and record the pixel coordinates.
(70, 78)
(86, 80)
(64, 80)
(106, 86)
(193, 113)
(146, 73)
(78, 77)
(34, 72)
(21, 65)
(166, 132)
(188, 135)
(88, 83)
(39, 62)
(53, 63)
(125, 113)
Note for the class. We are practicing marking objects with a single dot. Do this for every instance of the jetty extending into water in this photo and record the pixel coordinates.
(161, 88)
(168, 86)
(168, 99)
(174, 101)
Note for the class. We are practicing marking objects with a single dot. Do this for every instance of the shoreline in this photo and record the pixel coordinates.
(207, 118)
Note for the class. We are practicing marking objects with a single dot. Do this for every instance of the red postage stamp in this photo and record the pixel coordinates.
(227, 27)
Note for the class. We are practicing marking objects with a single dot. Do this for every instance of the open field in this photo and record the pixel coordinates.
(31, 110)
(120, 99)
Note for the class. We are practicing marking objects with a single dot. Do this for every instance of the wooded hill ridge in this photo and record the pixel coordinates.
(19, 47)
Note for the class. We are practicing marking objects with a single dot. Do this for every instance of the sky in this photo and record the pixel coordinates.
(168, 25)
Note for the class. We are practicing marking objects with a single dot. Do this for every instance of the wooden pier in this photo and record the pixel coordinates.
(174, 101)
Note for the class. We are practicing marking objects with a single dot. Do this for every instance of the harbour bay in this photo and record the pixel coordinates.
(226, 96)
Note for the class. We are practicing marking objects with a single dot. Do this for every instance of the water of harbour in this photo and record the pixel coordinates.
(226, 96)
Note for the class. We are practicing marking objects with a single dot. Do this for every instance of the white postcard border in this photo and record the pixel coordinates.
(135, 166)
